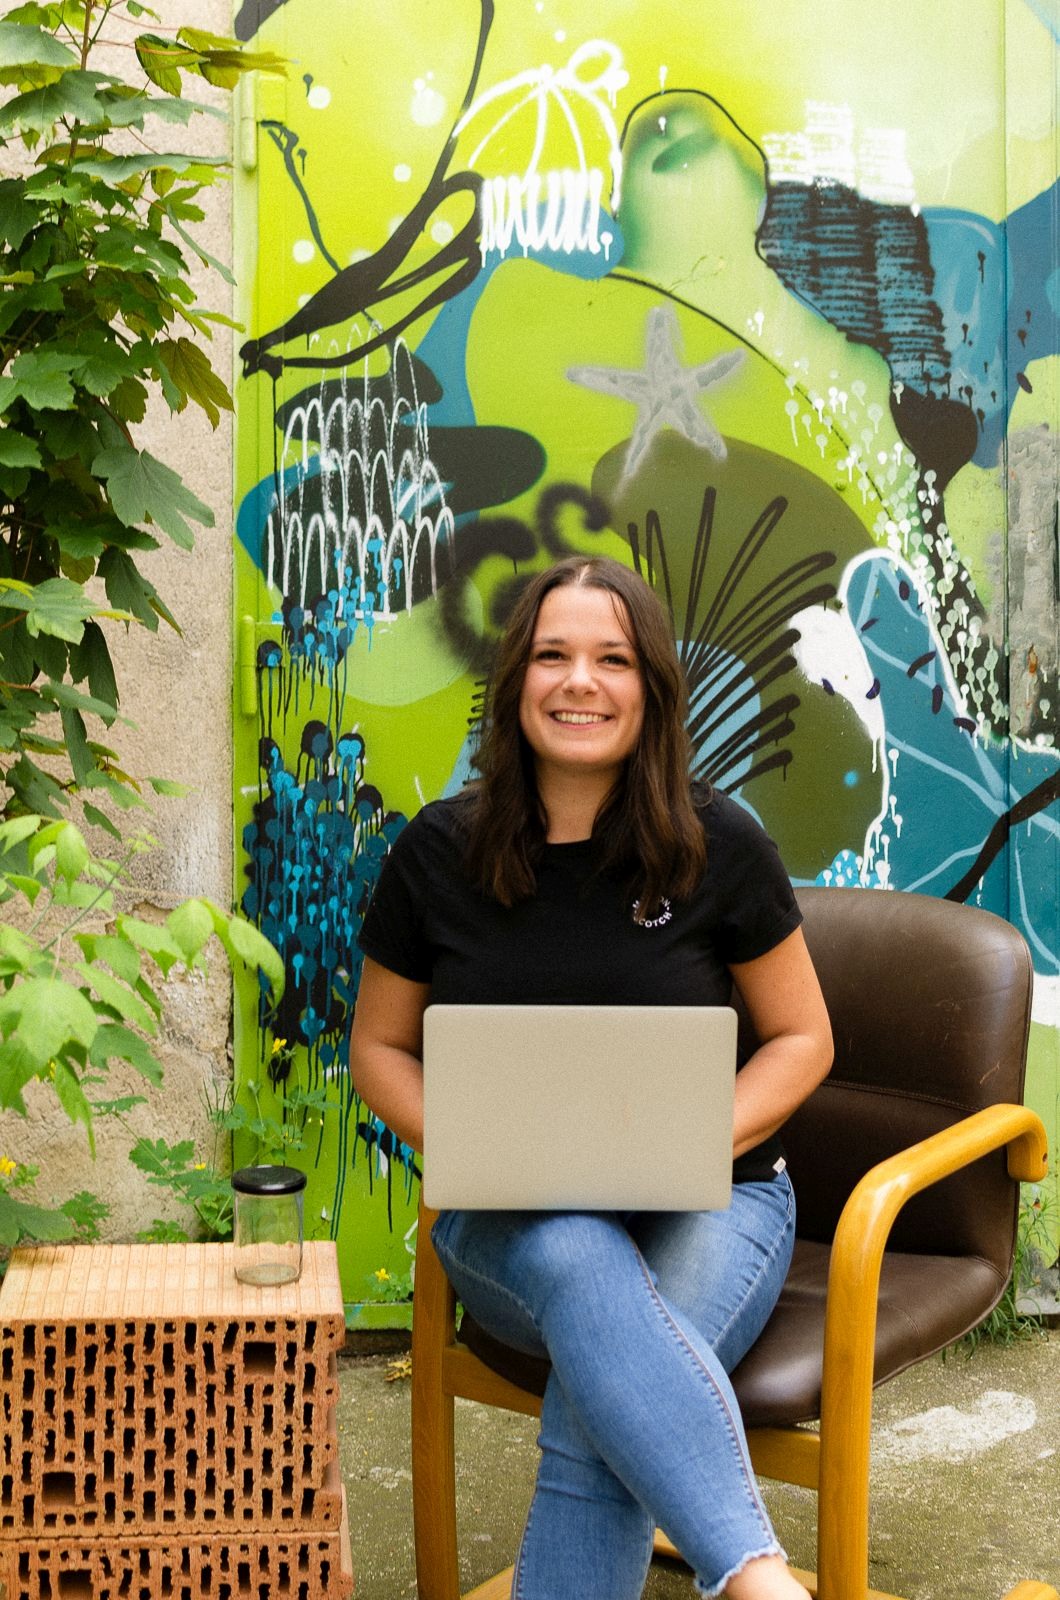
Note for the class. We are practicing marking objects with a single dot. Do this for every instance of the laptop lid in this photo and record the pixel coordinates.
(604, 1108)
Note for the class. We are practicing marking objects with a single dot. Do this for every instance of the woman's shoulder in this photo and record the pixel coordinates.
(440, 823)
(726, 822)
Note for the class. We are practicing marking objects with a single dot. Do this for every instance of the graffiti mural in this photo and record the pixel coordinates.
(769, 315)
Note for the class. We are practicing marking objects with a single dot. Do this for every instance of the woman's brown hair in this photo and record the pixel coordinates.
(647, 829)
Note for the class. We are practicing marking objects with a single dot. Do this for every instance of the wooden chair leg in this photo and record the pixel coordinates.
(433, 1442)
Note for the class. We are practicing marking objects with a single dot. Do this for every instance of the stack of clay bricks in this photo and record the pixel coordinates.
(167, 1432)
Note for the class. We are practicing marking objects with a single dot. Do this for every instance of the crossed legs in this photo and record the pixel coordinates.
(641, 1317)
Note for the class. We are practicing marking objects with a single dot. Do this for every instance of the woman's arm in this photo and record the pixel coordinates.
(386, 1049)
(787, 1011)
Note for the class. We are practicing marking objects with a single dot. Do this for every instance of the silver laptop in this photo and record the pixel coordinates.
(602, 1108)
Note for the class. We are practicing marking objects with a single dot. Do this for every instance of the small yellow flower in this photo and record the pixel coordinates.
(382, 1275)
(278, 1045)
(7, 1166)
(200, 1166)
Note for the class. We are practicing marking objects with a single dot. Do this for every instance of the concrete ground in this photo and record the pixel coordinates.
(966, 1481)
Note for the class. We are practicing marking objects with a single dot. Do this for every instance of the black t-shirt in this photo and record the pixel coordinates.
(576, 940)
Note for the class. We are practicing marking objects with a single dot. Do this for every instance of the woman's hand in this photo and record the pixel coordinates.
(386, 1049)
(787, 1011)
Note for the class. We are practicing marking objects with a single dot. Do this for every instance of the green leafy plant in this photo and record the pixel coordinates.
(204, 1185)
(390, 1288)
(97, 313)
(1008, 1323)
(73, 1000)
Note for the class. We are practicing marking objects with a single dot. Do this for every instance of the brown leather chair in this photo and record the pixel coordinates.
(906, 1164)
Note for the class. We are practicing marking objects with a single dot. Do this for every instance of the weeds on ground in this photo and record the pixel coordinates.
(1035, 1242)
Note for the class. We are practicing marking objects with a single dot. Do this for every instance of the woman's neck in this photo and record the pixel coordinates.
(571, 804)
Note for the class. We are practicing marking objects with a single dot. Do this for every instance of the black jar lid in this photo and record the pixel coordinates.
(268, 1180)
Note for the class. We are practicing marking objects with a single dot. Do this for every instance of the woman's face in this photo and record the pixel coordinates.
(582, 703)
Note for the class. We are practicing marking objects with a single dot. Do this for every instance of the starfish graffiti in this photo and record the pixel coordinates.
(665, 391)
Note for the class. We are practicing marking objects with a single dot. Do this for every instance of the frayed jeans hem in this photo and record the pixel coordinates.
(771, 1549)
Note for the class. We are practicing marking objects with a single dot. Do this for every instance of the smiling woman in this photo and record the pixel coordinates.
(582, 704)
(585, 869)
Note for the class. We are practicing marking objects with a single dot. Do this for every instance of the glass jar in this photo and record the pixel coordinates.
(267, 1227)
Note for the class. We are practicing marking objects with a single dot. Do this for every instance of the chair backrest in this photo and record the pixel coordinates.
(930, 1009)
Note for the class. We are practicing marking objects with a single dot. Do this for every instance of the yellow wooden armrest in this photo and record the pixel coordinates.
(850, 1318)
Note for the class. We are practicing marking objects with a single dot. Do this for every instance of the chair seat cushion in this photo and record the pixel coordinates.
(926, 1302)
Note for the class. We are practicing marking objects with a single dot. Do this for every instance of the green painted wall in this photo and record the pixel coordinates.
(761, 299)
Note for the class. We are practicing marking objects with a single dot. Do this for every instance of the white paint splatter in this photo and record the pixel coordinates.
(303, 250)
(1045, 1005)
(428, 106)
(319, 97)
(829, 651)
(946, 1434)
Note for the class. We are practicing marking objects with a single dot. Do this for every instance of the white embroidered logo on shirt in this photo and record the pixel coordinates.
(660, 921)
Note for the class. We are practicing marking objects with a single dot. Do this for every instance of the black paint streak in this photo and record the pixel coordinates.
(921, 661)
(751, 626)
(1038, 799)
(379, 277)
(286, 141)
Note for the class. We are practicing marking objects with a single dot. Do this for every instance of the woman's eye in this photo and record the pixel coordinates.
(618, 661)
(546, 655)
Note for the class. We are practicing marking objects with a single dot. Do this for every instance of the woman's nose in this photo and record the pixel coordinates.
(580, 673)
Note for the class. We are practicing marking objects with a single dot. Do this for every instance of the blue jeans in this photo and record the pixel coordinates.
(642, 1317)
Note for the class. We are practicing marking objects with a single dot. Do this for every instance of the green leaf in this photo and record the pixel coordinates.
(157, 941)
(30, 887)
(102, 363)
(48, 1014)
(191, 926)
(22, 45)
(16, 831)
(56, 607)
(127, 588)
(80, 756)
(17, 215)
(193, 376)
(159, 1159)
(251, 946)
(19, 953)
(72, 97)
(67, 433)
(36, 789)
(81, 896)
(119, 169)
(18, 1065)
(64, 694)
(91, 659)
(71, 852)
(141, 488)
(86, 1211)
(16, 450)
(71, 1097)
(129, 400)
(40, 377)
(160, 58)
(99, 819)
(166, 786)
(121, 955)
(113, 1041)
(113, 993)
(208, 261)
(127, 107)
(21, 1221)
